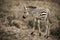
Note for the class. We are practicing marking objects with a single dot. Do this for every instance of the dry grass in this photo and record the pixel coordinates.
(16, 9)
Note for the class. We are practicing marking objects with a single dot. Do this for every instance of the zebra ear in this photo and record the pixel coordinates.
(25, 7)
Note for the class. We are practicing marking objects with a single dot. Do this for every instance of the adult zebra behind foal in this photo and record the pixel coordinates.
(41, 16)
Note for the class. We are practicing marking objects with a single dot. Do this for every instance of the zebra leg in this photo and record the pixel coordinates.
(39, 27)
(47, 30)
(34, 20)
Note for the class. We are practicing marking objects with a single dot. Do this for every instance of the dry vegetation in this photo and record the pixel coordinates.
(21, 29)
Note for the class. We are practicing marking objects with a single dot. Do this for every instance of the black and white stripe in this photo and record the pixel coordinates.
(40, 14)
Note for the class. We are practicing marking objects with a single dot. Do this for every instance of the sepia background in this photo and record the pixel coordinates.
(22, 27)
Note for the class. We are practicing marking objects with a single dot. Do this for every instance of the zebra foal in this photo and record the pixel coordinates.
(41, 16)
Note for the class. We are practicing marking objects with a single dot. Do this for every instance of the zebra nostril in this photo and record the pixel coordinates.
(24, 17)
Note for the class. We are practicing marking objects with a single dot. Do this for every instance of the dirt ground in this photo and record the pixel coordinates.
(21, 30)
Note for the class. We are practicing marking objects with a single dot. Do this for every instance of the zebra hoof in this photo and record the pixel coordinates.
(46, 36)
(32, 34)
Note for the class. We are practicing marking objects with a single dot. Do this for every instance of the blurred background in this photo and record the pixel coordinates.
(20, 29)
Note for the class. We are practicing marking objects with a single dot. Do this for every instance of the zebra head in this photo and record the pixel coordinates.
(28, 10)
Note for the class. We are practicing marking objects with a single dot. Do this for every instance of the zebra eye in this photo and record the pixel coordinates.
(24, 12)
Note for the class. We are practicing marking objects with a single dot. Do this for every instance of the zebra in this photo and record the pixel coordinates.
(40, 14)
